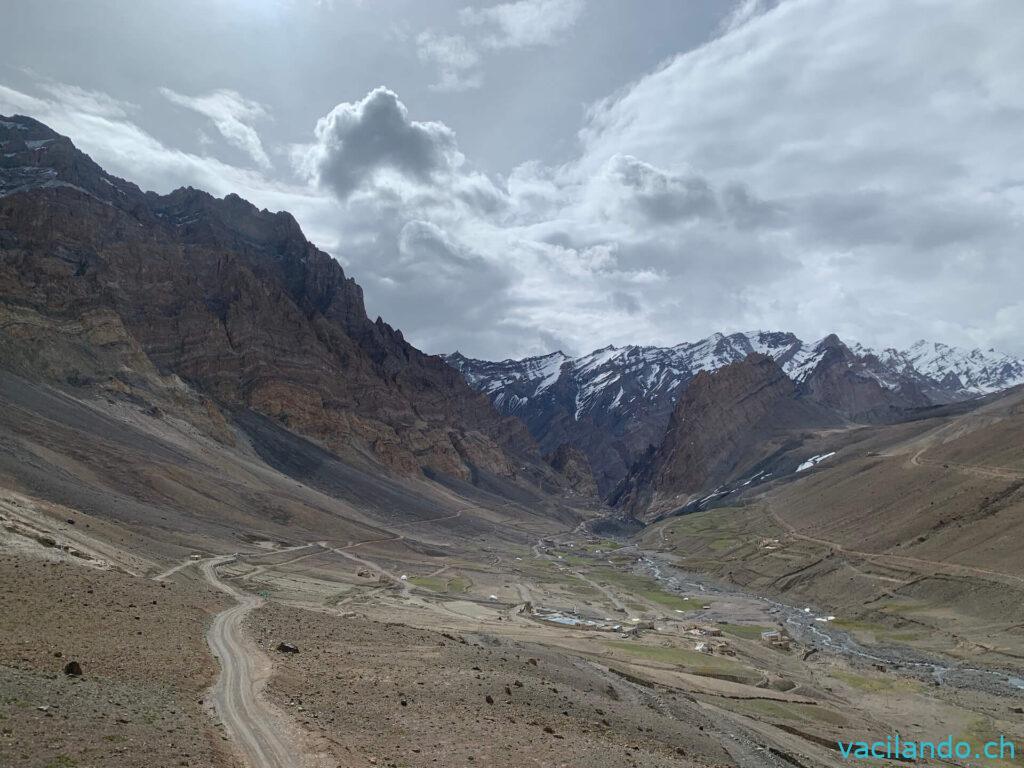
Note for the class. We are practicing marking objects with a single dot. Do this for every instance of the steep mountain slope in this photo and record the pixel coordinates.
(953, 372)
(857, 386)
(205, 308)
(724, 427)
(907, 531)
(615, 402)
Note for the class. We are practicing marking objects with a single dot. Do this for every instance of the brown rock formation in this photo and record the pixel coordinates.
(572, 464)
(849, 384)
(724, 424)
(204, 306)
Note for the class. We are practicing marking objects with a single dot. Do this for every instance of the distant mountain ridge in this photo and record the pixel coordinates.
(615, 402)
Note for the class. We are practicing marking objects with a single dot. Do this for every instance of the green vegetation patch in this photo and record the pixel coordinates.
(603, 547)
(724, 543)
(712, 521)
(857, 625)
(907, 607)
(877, 684)
(784, 710)
(712, 532)
(694, 662)
(433, 583)
(568, 558)
(648, 589)
(980, 731)
(442, 584)
(744, 631)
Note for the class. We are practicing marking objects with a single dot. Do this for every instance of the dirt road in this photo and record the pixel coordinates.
(903, 561)
(175, 569)
(256, 728)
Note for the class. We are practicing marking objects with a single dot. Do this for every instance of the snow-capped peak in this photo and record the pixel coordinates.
(971, 371)
(625, 378)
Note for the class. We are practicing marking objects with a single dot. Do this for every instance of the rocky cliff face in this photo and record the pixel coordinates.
(206, 305)
(723, 426)
(572, 464)
(851, 385)
(613, 403)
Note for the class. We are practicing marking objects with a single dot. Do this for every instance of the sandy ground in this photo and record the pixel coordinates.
(259, 731)
(391, 694)
(145, 665)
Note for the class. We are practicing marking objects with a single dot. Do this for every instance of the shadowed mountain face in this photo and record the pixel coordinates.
(615, 403)
(204, 308)
(611, 404)
(725, 424)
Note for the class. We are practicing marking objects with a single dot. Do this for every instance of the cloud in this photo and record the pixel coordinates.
(91, 102)
(627, 302)
(457, 60)
(502, 27)
(873, 149)
(358, 142)
(818, 166)
(663, 197)
(523, 24)
(745, 11)
(231, 115)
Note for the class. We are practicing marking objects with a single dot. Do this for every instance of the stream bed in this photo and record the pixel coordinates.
(813, 629)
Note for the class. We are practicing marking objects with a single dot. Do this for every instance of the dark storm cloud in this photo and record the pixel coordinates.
(455, 287)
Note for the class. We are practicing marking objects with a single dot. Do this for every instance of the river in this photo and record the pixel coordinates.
(806, 625)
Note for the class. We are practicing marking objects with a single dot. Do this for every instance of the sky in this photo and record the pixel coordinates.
(511, 178)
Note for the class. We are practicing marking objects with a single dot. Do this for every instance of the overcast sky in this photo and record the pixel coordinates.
(512, 178)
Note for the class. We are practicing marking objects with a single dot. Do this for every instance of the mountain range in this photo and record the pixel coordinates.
(214, 313)
(616, 402)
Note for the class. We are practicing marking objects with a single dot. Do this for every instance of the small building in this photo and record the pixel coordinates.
(774, 638)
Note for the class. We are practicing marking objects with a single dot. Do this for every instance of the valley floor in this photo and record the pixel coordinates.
(446, 627)
(409, 658)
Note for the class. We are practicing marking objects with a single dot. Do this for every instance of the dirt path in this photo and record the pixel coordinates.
(254, 726)
(903, 561)
(999, 473)
(956, 428)
(615, 601)
(397, 580)
(171, 571)
(264, 568)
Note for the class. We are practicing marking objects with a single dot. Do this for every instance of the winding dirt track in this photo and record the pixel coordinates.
(254, 726)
